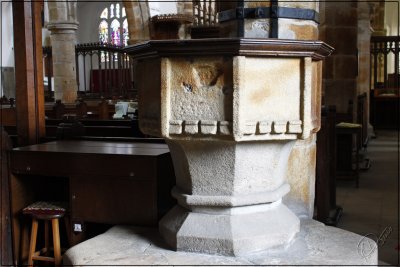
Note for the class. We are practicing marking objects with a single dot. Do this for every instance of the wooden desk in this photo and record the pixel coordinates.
(104, 182)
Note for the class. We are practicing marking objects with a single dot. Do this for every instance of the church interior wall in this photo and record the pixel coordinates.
(392, 26)
(88, 14)
(392, 22)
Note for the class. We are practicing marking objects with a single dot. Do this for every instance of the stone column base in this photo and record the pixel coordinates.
(229, 197)
(315, 244)
(234, 232)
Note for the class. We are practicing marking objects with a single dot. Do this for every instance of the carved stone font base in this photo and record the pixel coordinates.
(229, 197)
(230, 110)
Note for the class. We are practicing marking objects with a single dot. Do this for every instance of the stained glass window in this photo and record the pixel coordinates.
(103, 31)
(125, 32)
(117, 10)
(104, 14)
(112, 11)
(110, 30)
(115, 32)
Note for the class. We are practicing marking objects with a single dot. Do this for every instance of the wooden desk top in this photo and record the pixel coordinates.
(67, 158)
(97, 147)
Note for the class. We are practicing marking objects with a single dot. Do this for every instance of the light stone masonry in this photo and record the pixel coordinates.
(231, 175)
(63, 25)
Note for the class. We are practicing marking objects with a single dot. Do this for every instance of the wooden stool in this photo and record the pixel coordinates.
(47, 211)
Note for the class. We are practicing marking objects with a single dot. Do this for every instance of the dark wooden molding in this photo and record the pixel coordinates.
(28, 71)
(6, 253)
(230, 47)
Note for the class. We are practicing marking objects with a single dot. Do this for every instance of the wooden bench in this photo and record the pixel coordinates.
(325, 186)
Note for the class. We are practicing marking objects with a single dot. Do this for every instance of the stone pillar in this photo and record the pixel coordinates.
(231, 132)
(378, 18)
(138, 16)
(63, 25)
(186, 8)
(339, 23)
(364, 46)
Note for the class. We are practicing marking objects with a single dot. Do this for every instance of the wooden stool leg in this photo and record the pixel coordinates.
(56, 242)
(32, 245)
(46, 236)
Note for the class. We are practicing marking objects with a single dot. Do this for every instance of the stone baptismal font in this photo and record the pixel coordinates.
(231, 110)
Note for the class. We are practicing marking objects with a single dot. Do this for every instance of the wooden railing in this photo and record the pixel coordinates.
(384, 52)
(204, 13)
(102, 70)
(385, 82)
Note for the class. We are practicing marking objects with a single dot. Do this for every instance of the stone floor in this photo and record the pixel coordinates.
(373, 208)
(315, 244)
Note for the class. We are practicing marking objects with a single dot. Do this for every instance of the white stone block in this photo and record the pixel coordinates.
(250, 127)
(279, 127)
(175, 127)
(208, 127)
(225, 128)
(264, 127)
(191, 126)
(295, 126)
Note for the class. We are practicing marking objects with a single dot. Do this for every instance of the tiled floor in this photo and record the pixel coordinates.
(373, 208)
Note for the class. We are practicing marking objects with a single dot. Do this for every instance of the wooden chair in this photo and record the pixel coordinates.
(58, 109)
(81, 109)
(46, 211)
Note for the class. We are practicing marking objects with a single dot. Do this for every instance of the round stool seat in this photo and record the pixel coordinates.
(44, 210)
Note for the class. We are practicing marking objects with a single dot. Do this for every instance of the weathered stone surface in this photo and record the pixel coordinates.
(241, 168)
(346, 67)
(288, 29)
(261, 27)
(298, 29)
(210, 88)
(301, 177)
(240, 231)
(63, 26)
(230, 122)
(335, 35)
(315, 244)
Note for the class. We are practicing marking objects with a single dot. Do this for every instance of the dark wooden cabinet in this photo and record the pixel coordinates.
(104, 182)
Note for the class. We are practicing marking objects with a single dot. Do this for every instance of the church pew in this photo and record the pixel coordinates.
(100, 128)
(325, 187)
(84, 109)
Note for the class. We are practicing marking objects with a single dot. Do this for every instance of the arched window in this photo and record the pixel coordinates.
(110, 30)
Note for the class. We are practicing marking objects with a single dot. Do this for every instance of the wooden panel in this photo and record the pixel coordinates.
(28, 71)
(8, 117)
(71, 164)
(5, 209)
(114, 200)
(22, 196)
(37, 7)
